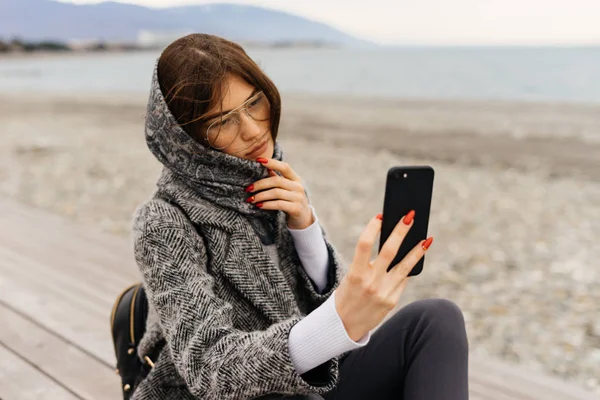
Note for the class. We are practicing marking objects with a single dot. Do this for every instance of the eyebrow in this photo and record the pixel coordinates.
(209, 117)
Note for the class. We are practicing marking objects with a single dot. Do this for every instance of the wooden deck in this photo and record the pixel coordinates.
(58, 281)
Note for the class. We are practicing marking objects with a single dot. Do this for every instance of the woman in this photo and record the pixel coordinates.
(247, 295)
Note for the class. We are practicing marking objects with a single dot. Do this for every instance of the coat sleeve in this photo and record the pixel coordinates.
(216, 360)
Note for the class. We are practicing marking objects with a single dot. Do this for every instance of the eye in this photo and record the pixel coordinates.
(256, 101)
(225, 122)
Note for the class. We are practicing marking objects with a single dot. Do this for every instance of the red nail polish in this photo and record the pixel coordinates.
(262, 160)
(259, 205)
(249, 188)
(427, 243)
(250, 199)
(408, 218)
(379, 217)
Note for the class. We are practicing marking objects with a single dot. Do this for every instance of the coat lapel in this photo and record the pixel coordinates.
(246, 265)
(254, 274)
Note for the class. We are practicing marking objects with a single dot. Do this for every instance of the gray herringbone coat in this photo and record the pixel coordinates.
(222, 305)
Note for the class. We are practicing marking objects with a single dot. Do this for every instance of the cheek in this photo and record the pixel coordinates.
(220, 143)
(238, 149)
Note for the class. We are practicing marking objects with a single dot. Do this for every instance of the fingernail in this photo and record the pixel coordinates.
(379, 217)
(408, 218)
(427, 243)
(262, 160)
(250, 199)
(259, 205)
(249, 188)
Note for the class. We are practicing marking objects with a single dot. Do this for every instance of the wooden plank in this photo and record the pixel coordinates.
(524, 383)
(94, 240)
(20, 380)
(492, 390)
(73, 287)
(83, 374)
(57, 241)
(478, 390)
(57, 310)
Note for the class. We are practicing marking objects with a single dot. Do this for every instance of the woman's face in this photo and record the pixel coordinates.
(245, 132)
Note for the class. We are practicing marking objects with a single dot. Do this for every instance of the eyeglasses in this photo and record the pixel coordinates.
(226, 128)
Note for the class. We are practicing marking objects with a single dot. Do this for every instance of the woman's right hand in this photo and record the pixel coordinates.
(368, 292)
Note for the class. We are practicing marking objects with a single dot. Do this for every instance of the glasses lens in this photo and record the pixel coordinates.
(259, 108)
(223, 131)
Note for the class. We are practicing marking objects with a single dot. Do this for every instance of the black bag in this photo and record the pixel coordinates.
(128, 324)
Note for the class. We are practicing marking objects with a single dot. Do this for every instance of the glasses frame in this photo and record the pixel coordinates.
(237, 110)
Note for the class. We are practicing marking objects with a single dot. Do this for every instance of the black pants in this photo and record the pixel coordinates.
(421, 353)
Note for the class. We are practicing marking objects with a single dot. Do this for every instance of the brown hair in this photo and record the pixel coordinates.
(191, 71)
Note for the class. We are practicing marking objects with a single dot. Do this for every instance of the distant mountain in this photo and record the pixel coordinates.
(110, 21)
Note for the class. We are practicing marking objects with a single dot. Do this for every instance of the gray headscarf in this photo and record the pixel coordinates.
(211, 174)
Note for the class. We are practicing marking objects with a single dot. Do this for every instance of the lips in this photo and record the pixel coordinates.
(258, 148)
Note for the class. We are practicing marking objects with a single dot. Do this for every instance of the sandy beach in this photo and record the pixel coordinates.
(515, 215)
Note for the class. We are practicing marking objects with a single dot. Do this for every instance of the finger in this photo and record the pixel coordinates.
(400, 289)
(403, 268)
(392, 244)
(364, 246)
(277, 181)
(283, 167)
(288, 207)
(275, 194)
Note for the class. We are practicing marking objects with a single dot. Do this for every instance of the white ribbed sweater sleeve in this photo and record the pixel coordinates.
(321, 335)
(312, 251)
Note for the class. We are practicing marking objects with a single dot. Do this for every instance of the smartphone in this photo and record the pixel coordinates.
(407, 188)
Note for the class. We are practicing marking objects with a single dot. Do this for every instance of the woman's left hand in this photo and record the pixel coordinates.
(285, 193)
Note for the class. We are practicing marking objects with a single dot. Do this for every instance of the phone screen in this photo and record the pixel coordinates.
(407, 188)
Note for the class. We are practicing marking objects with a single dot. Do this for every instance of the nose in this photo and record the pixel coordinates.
(249, 128)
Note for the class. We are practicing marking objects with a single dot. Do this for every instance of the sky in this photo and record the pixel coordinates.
(441, 22)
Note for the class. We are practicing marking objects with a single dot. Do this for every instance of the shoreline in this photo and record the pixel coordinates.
(68, 53)
(343, 100)
(117, 50)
